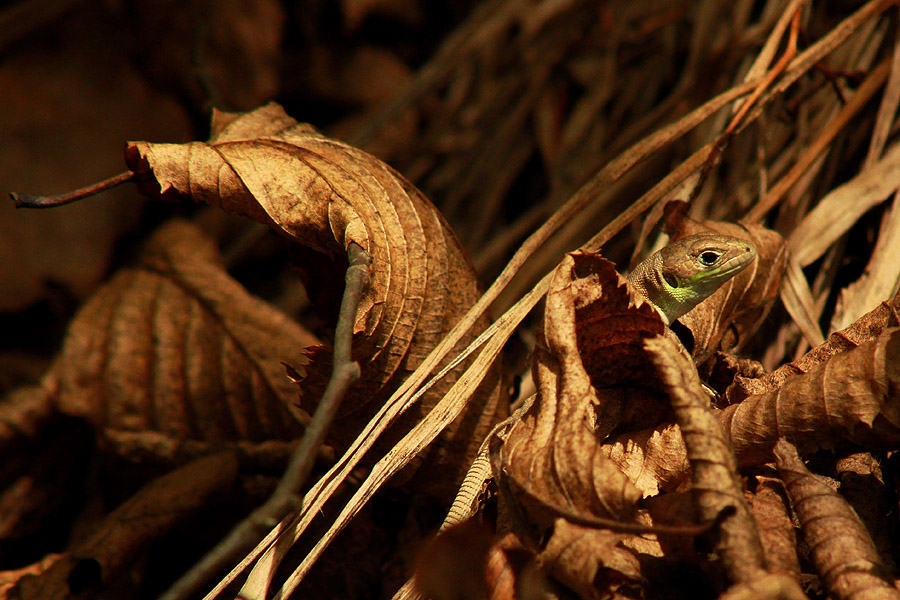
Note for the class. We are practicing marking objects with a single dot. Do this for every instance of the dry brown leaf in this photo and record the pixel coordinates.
(591, 562)
(715, 481)
(653, 459)
(175, 346)
(324, 195)
(866, 328)
(111, 549)
(769, 505)
(841, 548)
(550, 463)
(853, 396)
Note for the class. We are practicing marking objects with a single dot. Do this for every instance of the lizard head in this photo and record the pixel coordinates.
(696, 266)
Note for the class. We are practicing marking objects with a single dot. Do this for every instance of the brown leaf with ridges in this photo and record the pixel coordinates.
(854, 396)
(654, 459)
(550, 462)
(715, 481)
(841, 548)
(324, 195)
(866, 328)
(175, 346)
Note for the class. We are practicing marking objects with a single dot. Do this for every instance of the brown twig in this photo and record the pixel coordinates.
(29, 201)
(285, 497)
(789, 53)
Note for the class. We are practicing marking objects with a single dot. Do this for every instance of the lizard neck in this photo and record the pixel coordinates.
(647, 279)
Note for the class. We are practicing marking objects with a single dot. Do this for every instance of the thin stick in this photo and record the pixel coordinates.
(789, 53)
(29, 201)
(285, 498)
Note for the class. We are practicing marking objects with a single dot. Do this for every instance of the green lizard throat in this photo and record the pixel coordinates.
(686, 272)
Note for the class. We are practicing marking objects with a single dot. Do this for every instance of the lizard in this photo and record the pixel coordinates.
(673, 280)
(681, 275)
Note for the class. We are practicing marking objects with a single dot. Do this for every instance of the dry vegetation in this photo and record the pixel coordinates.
(275, 322)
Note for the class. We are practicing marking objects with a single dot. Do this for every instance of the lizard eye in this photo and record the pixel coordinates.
(709, 258)
(671, 280)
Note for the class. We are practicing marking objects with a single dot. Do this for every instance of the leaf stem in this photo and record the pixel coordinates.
(29, 201)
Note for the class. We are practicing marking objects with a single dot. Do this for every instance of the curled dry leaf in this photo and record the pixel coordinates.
(726, 319)
(714, 478)
(551, 453)
(866, 328)
(177, 347)
(854, 396)
(550, 463)
(588, 560)
(324, 195)
(769, 506)
(843, 552)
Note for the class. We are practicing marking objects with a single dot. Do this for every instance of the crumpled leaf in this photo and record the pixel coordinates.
(324, 195)
(550, 462)
(726, 319)
(654, 458)
(175, 346)
(851, 396)
(854, 396)
(866, 328)
(841, 548)
(715, 482)
(592, 562)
